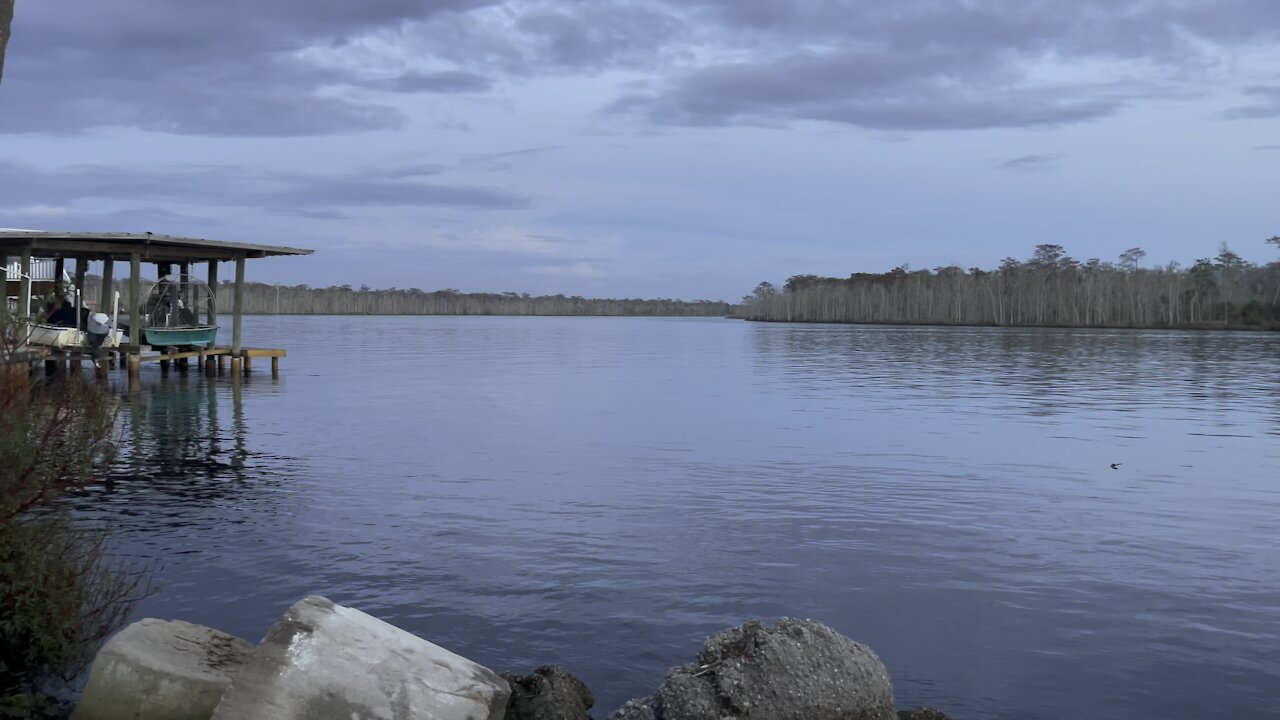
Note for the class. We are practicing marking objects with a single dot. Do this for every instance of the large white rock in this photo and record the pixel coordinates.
(323, 661)
(161, 670)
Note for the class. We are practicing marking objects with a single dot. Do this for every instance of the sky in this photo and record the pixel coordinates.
(647, 149)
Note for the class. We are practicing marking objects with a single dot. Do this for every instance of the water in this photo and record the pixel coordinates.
(603, 493)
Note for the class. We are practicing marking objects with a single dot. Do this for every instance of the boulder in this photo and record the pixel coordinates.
(796, 670)
(323, 661)
(161, 669)
(924, 713)
(548, 693)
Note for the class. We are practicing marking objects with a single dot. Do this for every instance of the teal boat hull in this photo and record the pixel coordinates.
(165, 337)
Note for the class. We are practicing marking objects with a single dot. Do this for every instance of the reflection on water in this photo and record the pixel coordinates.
(601, 493)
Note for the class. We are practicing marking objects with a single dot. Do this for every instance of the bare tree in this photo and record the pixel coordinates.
(1050, 288)
(6, 22)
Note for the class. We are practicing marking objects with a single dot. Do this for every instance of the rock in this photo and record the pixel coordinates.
(549, 693)
(796, 670)
(32, 706)
(642, 709)
(322, 661)
(163, 669)
(924, 713)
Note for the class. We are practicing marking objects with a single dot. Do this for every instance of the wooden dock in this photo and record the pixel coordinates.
(174, 259)
(214, 360)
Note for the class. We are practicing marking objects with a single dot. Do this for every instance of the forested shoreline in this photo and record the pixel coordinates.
(266, 299)
(1049, 289)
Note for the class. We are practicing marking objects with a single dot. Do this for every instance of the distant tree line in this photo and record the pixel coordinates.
(1050, 288)
(267, 299)
(260, 298)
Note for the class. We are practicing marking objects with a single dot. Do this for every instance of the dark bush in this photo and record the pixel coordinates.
(60, 593)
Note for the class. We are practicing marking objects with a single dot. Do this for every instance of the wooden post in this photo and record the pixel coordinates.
(248, 363)
(24, 291)
(237, 310)
(59, 266)
(222, 364)
(135, 313)
(108, 286)
(212, 310)
(275, 366)
(235, 366)
(184, 285)
(210, 366)
(81, 266)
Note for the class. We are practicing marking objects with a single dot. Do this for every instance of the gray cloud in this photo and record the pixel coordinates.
(239, 67)
(921, 91)
(439, 82)
(223, 68)
(1028, 163)
(1268, 147)
(1268, 105)
(239, 186)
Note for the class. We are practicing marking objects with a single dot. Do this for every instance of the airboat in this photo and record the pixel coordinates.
(171, 313)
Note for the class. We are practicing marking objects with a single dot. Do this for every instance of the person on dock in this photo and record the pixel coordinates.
(64, 316)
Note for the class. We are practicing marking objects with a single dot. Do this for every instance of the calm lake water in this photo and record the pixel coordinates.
(603, 493)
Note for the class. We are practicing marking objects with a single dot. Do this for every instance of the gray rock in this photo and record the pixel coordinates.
(796, 670)
(161, 669)
(641, 709)
(548, 693)
(924, 713)
(323, 661)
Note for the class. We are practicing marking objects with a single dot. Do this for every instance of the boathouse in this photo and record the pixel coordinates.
(168, 253)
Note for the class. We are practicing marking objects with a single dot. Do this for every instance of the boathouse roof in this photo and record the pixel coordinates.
(120, 246)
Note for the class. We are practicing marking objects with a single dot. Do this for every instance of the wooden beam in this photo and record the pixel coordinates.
(213, 293)
(150, 253)
(24, 291)
(237, 311)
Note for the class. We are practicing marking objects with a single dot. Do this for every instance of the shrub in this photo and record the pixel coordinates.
(60, 593)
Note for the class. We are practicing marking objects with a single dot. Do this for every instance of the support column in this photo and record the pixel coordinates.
(237, 310)
(212, 310)
(59, 266)
(184, 287)
(24, 292)
(81, 267)
(135, 313)
(108, 286)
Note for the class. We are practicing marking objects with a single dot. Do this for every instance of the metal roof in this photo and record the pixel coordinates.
(119, 246)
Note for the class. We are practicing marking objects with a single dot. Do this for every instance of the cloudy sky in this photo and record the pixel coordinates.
(625, 148)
